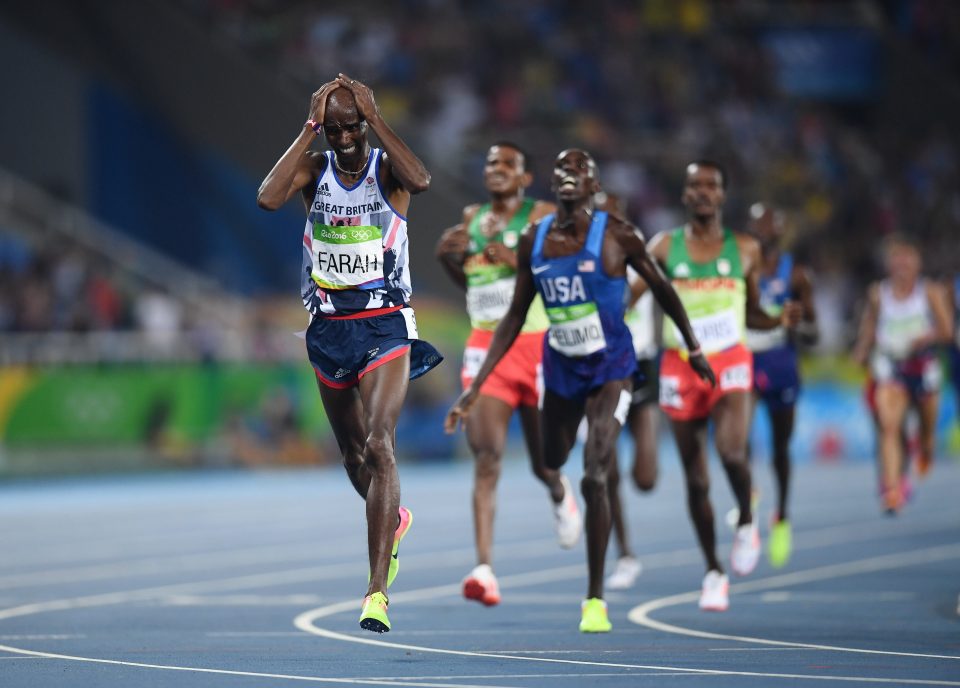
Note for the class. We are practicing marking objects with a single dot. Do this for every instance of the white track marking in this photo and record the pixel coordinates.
(641, 613)
(304, 622)
(254, 674)
(259, 580)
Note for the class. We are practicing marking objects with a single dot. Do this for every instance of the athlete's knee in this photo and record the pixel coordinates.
(732, 453)
(594, 482)
(378, 451)
(698, 485)
(602, 438)
(352, 458)
(486, 467)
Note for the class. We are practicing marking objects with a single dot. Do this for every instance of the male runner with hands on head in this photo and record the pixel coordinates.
(362, 339)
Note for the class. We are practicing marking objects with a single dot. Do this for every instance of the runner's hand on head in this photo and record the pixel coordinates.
(459, 411)
(700, 366)
(366, 105)
(318, 102)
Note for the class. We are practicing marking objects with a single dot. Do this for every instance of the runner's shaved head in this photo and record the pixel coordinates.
(341, 105)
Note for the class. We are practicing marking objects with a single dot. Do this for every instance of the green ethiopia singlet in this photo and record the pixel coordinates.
(490, 285)
(714, 295)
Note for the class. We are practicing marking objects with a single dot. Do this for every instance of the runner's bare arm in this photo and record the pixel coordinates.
(506, 332)
(801, 286)
(757, 318)
(453, 246)
(942, 318)
(634, 246)
(298, 166)
(868, 326)
(400, 168)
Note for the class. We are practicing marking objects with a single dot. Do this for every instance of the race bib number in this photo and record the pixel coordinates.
(488, 303)
(715, 332)
(576, 330)
(347, 257)
(473, 358)
(736, 377)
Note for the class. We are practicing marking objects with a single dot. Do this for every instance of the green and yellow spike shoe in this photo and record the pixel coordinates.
(780, 544)
(593, 616)
(406, 520)
(373, 615)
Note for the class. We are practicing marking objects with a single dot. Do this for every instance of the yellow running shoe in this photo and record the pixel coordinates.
(781, 544)
(373, 615)
(593, 616)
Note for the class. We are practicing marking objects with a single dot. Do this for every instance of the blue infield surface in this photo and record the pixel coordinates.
(254, 579)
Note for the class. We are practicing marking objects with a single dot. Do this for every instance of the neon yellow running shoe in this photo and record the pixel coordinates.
(373, 615)
(781, 544)
(593, 616)
(406, 520)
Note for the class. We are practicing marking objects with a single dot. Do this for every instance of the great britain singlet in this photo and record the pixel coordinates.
(901, 321)
(774, 293)
(490, 285)
(355, 250)
(713, 293)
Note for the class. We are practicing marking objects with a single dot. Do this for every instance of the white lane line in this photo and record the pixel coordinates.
(605, 674)
(307, 622)
(240, 600)
(192, 563)
(757, 649)
(664, 559)
(303, 624)
(52, 636)
(253, 674)
(641, 613)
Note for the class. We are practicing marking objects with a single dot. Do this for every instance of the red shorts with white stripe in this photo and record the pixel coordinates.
(684, 396)
(518, 378)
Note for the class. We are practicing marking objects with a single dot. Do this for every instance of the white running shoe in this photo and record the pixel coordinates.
(624, 574)
(567, 518)
(481, 585)
(746, 549)
(733, 516)
(715, 593)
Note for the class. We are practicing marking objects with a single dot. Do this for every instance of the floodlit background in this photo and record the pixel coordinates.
(147, 306)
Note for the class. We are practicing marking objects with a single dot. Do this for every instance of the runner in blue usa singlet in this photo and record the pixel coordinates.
(588, 342)
(577, 260)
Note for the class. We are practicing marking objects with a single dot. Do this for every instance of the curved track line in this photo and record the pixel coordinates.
(641, 614)
(305, 622)
(254, 674)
